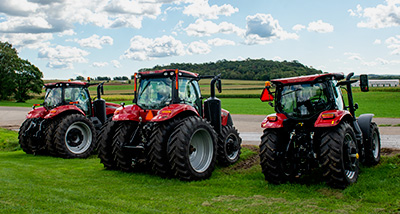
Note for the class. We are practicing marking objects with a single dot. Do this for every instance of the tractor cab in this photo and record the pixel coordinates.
(68, 93)
(158, 89)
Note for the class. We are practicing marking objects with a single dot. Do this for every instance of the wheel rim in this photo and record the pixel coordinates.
(201, 150)
(78, 137)
(350, 156)
(231, 146)
(375, 145)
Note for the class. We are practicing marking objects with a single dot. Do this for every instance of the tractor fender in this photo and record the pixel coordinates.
(226, 118)
(37, 113)
(273, 121)
(62, 109)
(331, 118)
(364, 121)
(173, 110)
(111, 107)
(130, 112)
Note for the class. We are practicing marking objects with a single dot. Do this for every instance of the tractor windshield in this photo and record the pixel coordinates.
(154, 93)
(53, 97)
(303, 100)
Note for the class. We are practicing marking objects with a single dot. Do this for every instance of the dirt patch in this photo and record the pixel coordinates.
(389, 152)
(250, 161)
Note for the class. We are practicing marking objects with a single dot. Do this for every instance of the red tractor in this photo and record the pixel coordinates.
(66, 124)
(169, 130)
(313, 128)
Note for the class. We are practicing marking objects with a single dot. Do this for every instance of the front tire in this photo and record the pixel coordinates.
(75, 137)
(24, 138)
(228, 146)
(192, 149)
(49, 136)
(104, 145)
(372, 145)
(339, 156)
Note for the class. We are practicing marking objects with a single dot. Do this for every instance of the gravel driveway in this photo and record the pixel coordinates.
(249, 126)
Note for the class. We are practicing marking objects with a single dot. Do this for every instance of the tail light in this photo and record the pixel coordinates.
(328, 116)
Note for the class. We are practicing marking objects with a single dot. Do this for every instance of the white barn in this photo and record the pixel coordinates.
(380, 83)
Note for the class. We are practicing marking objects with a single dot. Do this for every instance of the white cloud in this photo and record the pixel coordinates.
(99, 64)
(95, 41)
(27, 40)
(320, 27)
(377, 42)
(220, 42)
(263, 29)
(147, 49)
(199, 47)
(381, 16)
(116, 63)
(298, 27)
(353, 56)
(69, 32)
(17, 7)
(207, 28)
(201, 9)
(394, 44)
(62, 57)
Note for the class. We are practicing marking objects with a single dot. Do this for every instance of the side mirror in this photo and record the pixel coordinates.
(219, 85)
(266, 95)
(364, 83)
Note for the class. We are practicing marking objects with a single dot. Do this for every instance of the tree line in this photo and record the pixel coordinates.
(249, 69)
(18, 77)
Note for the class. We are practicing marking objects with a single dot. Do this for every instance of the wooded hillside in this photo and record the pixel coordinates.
(249, 69)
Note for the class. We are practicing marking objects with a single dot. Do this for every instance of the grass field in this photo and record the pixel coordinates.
(40, 184)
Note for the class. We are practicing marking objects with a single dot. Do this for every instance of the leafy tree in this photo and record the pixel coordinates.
(19, 77)
(80, 78)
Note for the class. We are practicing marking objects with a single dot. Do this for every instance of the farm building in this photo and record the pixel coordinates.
(380, 83)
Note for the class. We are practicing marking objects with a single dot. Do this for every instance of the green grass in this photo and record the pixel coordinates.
(39, 184)
(8, 140)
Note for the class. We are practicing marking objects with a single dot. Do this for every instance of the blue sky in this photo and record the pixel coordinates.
(67, 38)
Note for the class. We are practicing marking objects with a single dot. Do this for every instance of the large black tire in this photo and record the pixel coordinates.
(339, 156)
(49, 136)
(192, 149)
(272, 150)
(24, 138)
(75, 137)
(158, 155)
(125, 159)
(104, 145)
(229, 146)
(372, 144)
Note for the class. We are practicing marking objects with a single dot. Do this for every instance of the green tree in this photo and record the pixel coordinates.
(80, 78)
(19, 77)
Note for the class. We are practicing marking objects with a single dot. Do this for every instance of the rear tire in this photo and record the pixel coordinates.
(229, 145)
(75, 137)
(192, 149)
(49, 136)
(339, 156)
(104, 145)
(158, 155)
(24, 138)
(125, 159)
(372, 146)
(272, 149)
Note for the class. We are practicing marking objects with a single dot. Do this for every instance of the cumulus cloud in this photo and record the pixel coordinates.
(116, 63)
(381, 16)
(207, 28)
(27, 40)
(95, 41)
(353, 56)
(377, 42)
(220, 42)
(17, 7)
(202, 9)
(320, 27)
(99, 64)
(199, 47)
(263, 29)
(298, 27)
(147, 49)
(62, 57)
(394, 44)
